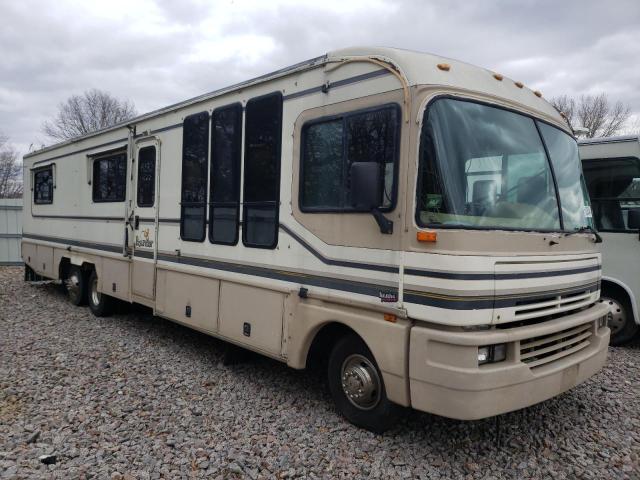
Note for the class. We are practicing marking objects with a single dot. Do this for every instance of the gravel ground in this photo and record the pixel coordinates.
(133, 396)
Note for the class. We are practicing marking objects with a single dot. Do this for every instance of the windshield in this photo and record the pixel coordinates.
(487, 167)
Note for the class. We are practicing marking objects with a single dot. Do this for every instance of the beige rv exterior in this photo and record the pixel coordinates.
(423, 309)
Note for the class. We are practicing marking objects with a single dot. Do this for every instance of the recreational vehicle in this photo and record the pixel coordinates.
(612, 171)
(418, 223)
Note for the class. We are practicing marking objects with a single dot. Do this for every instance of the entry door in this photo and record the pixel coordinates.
(145, 225)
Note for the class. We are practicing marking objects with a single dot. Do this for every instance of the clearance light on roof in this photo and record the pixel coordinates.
(537, 93)
(498, 77)
(427, 237)
(444, 66)
(519, 84)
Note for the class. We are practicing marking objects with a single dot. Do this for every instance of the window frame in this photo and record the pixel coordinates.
(280, 112)
(206, 180)
(418, 185)
(104, 156)
(37, 170)
(211, 204)
(344, 116)
(609, 199)
(153, 186)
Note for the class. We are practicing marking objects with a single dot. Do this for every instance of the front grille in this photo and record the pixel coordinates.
(542, 350)
(546, 306)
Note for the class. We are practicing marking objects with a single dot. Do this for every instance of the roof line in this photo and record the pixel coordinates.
(304, 65)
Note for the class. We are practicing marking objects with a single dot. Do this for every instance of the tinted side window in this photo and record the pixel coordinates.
(43, 186)
(331, 146)
(614, 188)
(224, 184)
(146, 177)
(195, 140)
(262, 171)
(109, 178)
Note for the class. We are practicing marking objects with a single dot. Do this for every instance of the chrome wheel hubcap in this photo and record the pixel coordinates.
(95, 294)
(73, 285)
(360, 382)
(616, 317)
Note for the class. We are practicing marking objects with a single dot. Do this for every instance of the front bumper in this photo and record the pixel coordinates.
(445, 379)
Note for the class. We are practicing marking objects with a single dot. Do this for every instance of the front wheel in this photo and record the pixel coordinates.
(357, 386)
(620, 319)
(100, 304)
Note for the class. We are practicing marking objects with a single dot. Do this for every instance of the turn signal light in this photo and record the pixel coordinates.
(427, 236)
(389, 317)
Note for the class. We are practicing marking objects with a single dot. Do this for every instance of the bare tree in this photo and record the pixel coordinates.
(86, 113)
(10, 171)
(593, 112)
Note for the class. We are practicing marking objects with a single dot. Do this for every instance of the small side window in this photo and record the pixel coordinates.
(195, 141)
(146, 177)
(43, 186)
(224, 184)
(331, 145)
(262, 171)
(109, 178)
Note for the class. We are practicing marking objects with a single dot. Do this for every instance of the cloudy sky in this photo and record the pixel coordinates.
(157, 52)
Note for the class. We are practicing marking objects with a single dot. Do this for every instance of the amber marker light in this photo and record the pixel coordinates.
(537, 93)
(389, 317)
(427, 236)
(519, 84)
(444, 66)
(498, 77)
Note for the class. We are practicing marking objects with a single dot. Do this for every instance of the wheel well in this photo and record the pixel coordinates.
(323, 342)
(614, 290)
(65, 265)
(63, 268)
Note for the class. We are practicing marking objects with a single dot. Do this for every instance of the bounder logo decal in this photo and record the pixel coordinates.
(144, 242)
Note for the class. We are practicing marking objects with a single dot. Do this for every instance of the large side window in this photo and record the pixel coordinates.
(614, 188)
(43, 186)
(330, 146)
(262, 171)
(109, 178)
(195, 141)
(224, 184)
(146, 177)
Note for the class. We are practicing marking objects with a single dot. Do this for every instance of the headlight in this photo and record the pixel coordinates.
(604, 320)
(492, 353)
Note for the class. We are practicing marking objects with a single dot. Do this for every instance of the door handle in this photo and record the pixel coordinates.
(136, 221)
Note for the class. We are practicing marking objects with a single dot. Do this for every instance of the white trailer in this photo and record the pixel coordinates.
(417, 222)
(612, 171)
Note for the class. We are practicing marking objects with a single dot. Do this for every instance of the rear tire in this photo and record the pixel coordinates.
(76, 285)
(357, 386)
(101, 305)
(620, 320)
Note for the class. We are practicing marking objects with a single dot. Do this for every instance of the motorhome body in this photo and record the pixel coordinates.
(612, 171)
(246, 214)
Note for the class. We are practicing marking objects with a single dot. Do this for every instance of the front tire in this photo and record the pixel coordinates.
(620, 320)
(357, 386)
(76, 285)
(99, 304)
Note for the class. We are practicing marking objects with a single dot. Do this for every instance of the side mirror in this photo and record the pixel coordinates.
(633, 219)
(366, 192)
(366, 185)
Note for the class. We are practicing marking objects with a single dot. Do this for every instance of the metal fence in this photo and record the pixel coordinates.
(10, 231)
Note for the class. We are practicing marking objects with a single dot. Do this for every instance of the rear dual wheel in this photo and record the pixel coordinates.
(101, 305)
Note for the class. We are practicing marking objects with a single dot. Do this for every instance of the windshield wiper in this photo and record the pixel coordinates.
(587, 228)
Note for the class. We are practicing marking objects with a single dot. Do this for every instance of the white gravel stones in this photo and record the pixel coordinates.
(134, 396)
